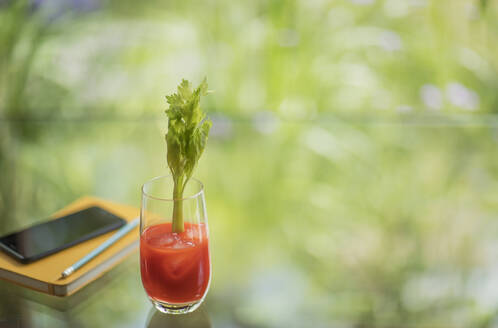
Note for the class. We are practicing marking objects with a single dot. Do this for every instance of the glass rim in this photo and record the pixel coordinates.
(201, 188)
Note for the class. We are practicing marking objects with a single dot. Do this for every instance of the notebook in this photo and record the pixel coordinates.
(43, 275)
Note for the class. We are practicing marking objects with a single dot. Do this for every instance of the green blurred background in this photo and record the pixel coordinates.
(351, 173)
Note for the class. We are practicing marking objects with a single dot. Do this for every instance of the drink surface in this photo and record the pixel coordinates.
(175, 267)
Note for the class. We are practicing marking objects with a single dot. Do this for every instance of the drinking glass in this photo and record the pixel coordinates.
(175, 266)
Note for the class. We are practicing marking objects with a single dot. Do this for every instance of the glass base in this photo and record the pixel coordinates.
(176, 308)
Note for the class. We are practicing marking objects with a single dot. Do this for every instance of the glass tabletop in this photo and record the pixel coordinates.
(351, 173)
(331, 222)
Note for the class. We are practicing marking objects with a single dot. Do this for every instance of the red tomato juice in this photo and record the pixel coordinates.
(175, 267)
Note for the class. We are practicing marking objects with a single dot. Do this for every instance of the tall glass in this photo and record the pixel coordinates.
(175, 266)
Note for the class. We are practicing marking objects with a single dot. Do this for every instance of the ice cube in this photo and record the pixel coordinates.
(167, 240)
(162, 240)
(189, 234)
(182, 244)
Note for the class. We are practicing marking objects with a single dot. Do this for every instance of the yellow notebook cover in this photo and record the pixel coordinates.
(43, 275)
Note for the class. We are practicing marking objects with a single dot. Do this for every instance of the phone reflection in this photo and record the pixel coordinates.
(197, 319)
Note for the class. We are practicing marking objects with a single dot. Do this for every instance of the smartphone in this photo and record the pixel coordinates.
(49, 237)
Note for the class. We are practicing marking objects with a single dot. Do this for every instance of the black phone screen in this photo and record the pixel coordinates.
(49, 237)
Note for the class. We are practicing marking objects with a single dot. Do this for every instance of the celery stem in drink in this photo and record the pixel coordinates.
(188, 130)
(177, 225)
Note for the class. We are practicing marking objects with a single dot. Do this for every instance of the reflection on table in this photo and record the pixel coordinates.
(197, 319)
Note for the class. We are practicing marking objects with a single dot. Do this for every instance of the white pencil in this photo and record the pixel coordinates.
(114, 238)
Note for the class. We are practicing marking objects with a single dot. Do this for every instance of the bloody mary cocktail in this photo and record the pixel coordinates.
(175, 267)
